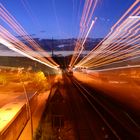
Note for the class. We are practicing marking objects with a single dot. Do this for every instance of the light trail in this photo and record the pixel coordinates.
(117, 62)
(87, 57)
(101, 64)
(121, 47)
(82, 28)
(85, 28)
(10, 46)
(88, 18)
(82, 46)
(21, 47)
(117, 68)
(134, 17)
(116, 57)
(111, 61)
(93, 9)
(125, 61)
(121, 43)
(118, 47)
(125, 14)
(109, 46)
(87, 13)
(11, 21)
(84, 12)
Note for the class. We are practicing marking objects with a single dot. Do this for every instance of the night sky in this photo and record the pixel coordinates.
(60, 18)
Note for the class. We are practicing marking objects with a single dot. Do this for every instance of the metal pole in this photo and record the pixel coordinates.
(28, 105)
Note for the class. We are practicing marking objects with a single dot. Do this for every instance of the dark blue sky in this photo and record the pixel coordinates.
(60, 18)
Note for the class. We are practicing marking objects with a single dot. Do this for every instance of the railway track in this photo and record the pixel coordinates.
(76, 113)
(88, 124)
(117, 121)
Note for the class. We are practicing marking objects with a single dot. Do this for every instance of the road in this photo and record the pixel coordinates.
(73, 113)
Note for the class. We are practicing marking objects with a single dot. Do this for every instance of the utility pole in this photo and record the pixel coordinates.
(27, 102)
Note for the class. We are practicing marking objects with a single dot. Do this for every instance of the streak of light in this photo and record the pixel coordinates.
(21, 46)
(10, 46)
(87, 57)
(134, 17)
(112, 58)
(121, 59)
(120, 46)
(11, 21)
(84, 12)
(126, 13)
(85, 28)
(82, 46)
(87, 13)
(118, 62)
(90, 16)
(117, 68)
(123, 41)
